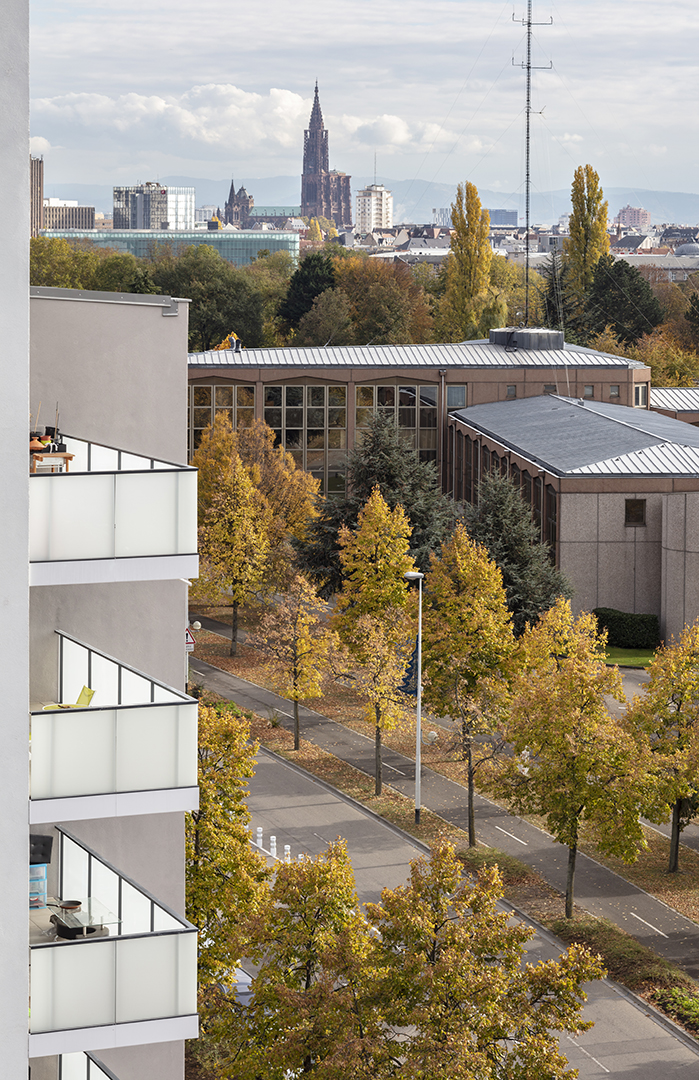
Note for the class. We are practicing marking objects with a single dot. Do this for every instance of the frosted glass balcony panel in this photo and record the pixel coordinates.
(162, 693)
(105, 884)
(81, 1067)
(156, 977)
(72, 985)
(79, 450)
(73, 753)
(146, 514)
(135, 910)
(71, 518)
(103, 458)
(74, 661)
(135, 689)
(133, 461)
(162, 920)
(156, 748)
(74, 871)
(187, 511)
(40, 521)
(104, 680)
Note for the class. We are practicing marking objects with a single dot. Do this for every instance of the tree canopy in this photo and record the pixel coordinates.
(468, 307)
(621, 298)
(314, 275)
(588, 239)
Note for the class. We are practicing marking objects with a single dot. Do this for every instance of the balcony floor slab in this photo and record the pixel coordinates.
(121, 804)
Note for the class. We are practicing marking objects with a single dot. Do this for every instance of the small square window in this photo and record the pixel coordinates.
(456, 397)
(614, 391)
(428, 395)
(512, 391)
(635, 512)
(589, 392)
(549, 388)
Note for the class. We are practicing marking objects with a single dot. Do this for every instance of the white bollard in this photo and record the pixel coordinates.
(287, 853)
(273, 846)
(300, 856)
(259, 836)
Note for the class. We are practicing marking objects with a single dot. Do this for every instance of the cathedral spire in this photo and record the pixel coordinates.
(316, 121)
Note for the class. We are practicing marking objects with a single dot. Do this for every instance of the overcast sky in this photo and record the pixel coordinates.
(127, 92)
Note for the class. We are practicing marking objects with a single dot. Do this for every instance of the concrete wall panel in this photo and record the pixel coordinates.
(578, 518)
(616, 575)
(578, 562)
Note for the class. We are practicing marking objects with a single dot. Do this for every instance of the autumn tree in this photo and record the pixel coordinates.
(314, 234)
(223, 875)
(329, 321)
(588, 239)
(371, 616)
(620, 297)
(293, 635)
(387, 303)
(214, 460)
(669, 362)
(55, 262)
(235, 539)
(467, 644)
(314, 275)
(269, 275)
(456, 995)
(502, 522)
(665, 718)
(467, 304)
(573, 763)
(383, 460)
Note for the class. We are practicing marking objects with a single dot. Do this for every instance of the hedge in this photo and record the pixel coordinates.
(627, 631)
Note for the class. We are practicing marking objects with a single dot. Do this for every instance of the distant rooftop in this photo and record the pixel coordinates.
(677, 398)
(570, 437)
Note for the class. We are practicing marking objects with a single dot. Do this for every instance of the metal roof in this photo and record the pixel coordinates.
(569, 437)
(478, 354)
(677, 398)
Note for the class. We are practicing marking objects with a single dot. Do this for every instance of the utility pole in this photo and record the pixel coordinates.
(528, 67)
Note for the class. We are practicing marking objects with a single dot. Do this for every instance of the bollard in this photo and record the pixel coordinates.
(273, 846)
(259, 836)
(287, 853)
(300, 856)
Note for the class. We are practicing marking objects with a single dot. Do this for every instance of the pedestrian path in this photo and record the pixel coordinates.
(597, 889)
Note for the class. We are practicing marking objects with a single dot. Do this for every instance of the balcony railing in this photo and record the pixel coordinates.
(139, 969)
(137, 735)
(83, 1067)
(111, 505)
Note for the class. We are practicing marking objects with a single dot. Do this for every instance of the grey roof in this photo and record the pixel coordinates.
(677, 398)
(481, 354)
(571, 437)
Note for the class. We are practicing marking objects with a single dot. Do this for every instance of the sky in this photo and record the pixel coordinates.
(128, 92)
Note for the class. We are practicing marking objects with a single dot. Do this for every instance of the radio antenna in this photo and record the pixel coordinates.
(529, 67)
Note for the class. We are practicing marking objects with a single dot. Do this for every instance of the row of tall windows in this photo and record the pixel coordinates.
(471, 460)
(412, 409)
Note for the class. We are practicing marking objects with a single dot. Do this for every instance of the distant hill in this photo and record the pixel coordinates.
(413, 200)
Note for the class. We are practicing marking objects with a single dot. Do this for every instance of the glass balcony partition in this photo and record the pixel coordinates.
(137, 734)
(139, 964)
(112, 505)
(83, 1067)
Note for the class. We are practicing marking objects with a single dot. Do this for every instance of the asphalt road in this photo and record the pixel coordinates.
(626, 1041)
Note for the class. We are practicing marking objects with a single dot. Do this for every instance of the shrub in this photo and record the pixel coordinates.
(628, 631)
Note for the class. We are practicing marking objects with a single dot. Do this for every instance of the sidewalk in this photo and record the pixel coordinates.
(597, 889)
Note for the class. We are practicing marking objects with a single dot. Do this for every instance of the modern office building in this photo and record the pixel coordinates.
(324, 193)
(237, 246)
(319, 400)
(374, 209)
(615, 492)
(154, 206)
(67, 214)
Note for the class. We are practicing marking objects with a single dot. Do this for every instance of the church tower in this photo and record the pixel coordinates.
(323, 193)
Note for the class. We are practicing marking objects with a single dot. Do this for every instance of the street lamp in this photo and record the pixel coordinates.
(414, 575)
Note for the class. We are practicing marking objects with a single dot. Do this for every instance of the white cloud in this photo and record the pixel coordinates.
(39, 146)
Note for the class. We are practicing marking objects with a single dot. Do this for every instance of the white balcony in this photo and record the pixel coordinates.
(83, 1067)
(113, 516)
(132, 981)
(132, 751)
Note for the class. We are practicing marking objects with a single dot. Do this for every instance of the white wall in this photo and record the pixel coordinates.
(14, 501)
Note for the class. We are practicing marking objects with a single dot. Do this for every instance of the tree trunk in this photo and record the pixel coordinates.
(471, 810)
(378, 771)
(675, 838)
(234, 631)
(297, 732)
(570, 880)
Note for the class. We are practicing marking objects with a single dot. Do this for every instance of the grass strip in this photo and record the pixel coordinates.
(637, 658)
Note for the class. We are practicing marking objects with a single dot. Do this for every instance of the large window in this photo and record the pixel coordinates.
(413, 409)
(236, 402)
(311, 423)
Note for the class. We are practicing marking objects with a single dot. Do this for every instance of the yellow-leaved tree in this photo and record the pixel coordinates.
(295, 638)
(372, 617)
(468, 645)
(665, 720)
(588, 239)
(573, 762)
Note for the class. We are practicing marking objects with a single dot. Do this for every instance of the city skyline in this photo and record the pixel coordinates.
(162, 90)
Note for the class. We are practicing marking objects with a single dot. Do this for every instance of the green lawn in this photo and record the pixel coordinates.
(629, 657)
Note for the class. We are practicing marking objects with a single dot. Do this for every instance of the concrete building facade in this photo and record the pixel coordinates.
(67, 214)
(634, 217)
(374, 209)
(154, 206)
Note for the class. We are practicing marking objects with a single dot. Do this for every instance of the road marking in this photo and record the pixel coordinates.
(587, 1054)
(648, 924)
(512, 836)
(321, 837)
(384, 763)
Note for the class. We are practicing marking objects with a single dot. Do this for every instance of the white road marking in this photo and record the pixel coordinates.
(321, 837)
(587, 1054)
(384, 763)
(512, 836)
(648, 924)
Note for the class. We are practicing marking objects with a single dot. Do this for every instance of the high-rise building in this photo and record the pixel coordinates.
(154, 206)
(36, 195)
(634, 217)
(323, 193)
(374, 209)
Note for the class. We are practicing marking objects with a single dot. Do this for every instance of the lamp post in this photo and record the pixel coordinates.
(414, 575)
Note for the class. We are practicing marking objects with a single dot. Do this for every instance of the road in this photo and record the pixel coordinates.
(286, 802)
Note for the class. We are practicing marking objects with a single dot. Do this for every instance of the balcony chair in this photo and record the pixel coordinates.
(84, 698)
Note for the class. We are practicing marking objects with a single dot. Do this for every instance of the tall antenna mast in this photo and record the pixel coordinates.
(374, 168)
(529, 67)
